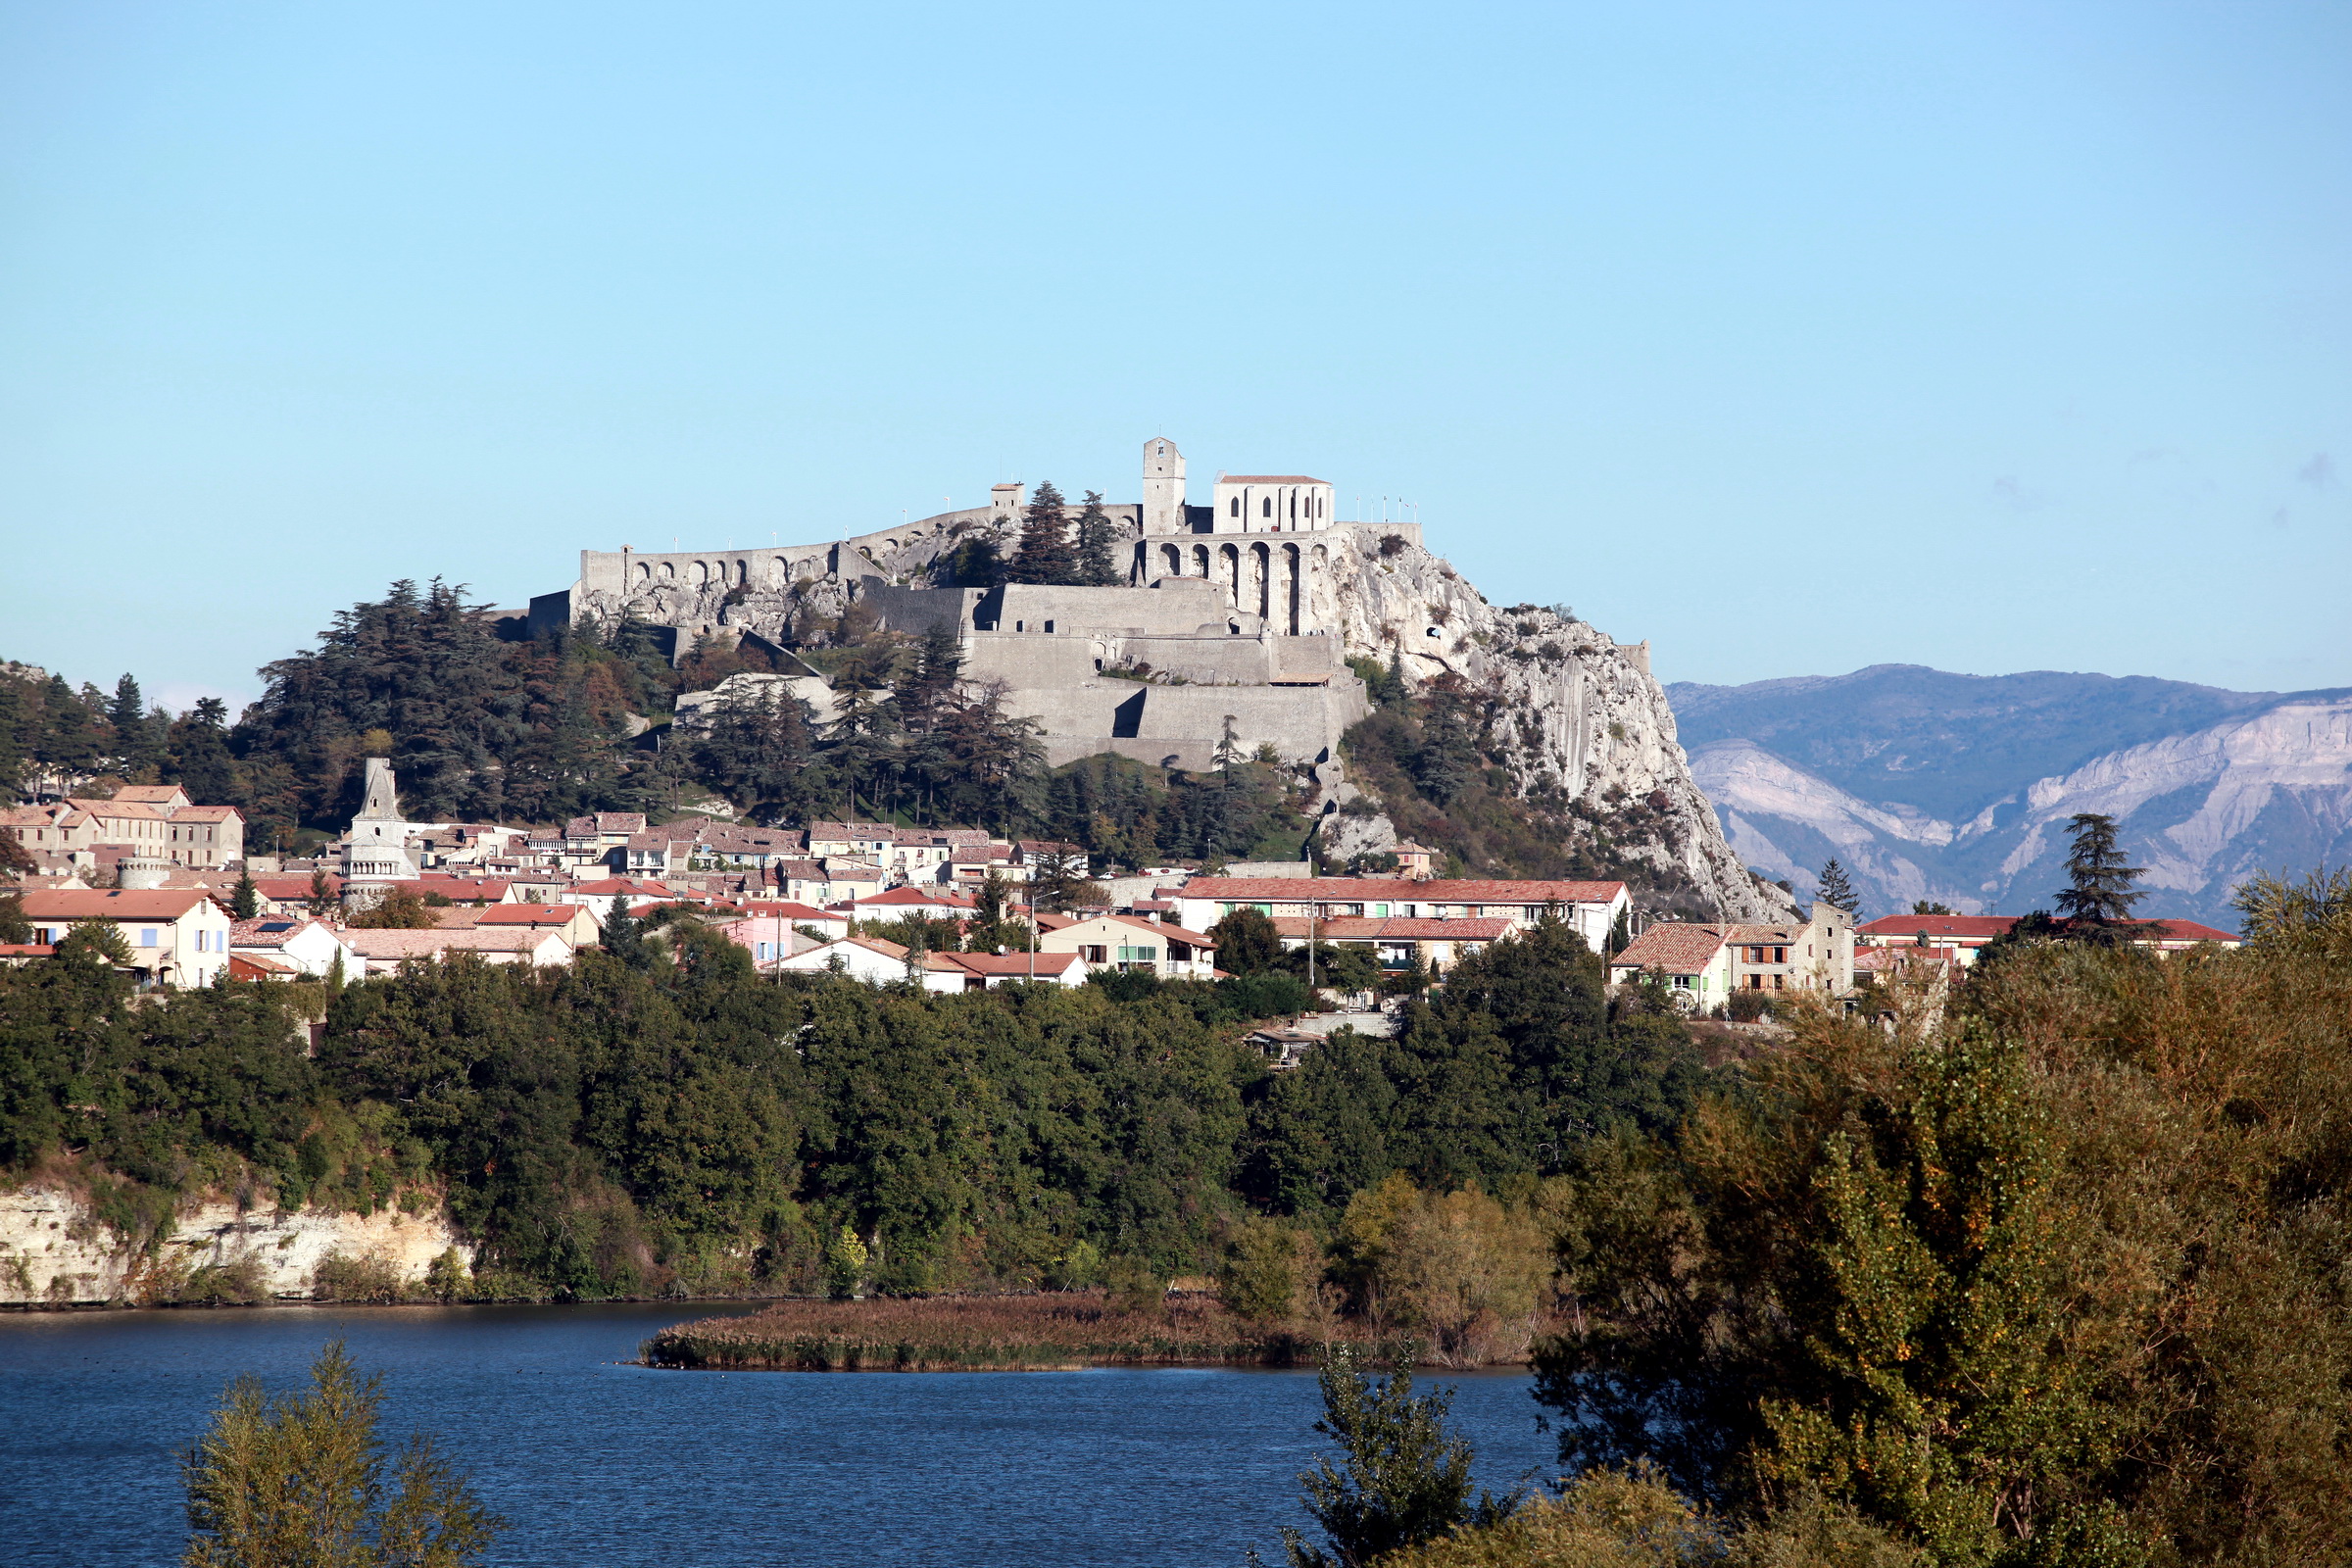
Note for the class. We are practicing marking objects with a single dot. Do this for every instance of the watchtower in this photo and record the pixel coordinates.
(1163, 487)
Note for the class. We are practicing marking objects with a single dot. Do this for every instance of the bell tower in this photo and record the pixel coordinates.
(1163, 487)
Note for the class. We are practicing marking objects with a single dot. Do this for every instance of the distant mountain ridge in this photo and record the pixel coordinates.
(1955, 788)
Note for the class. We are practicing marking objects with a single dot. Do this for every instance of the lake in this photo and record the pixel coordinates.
(600, 1463)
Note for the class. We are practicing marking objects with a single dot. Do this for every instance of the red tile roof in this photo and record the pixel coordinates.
(1004, 963)
(1363, 928)
(530, 915)
(1388, 890)
(1674, 947)
(2177, 931)
(1959, 927)
(111, 904)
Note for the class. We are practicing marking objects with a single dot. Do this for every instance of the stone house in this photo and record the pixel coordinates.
(1397, 944)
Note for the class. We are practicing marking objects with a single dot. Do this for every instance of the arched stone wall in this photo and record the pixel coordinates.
(1173, 559)
(1291, 590)
(1261, 586)
(1230, 569)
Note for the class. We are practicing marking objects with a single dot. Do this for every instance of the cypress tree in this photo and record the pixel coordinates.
(135, 748)
(1097, 566)
(246, 901)
(1837, 890)
(1044, 555)
(2100, 891)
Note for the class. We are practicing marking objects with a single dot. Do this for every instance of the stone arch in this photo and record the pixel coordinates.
(1173, 559)
(780, 570)
(1292, 591)
(669, 572)
(743, 571)
(1201, 561)
(1261, 586)
(645, 573)
(1229, 568)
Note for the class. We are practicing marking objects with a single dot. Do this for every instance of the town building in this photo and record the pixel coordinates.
(1590, 909)
(178, 939)
(1696, 958)
(1130, 946)
(295, 945)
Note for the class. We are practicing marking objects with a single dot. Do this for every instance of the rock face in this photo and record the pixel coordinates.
(54, 1251)
(1956, 789)
(1588, 720)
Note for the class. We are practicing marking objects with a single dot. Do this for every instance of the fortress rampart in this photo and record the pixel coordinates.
(1227, 615)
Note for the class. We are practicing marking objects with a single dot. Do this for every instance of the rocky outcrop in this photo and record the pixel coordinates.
(1588, 723)
(56, 1252)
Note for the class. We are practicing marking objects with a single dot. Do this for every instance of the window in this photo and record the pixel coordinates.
(1234, 506)
(1682, 982)
(1379, 911)
(146, 935)
(1265, 508)
(1094, 954)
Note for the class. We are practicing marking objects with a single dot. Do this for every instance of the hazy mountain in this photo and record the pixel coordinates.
(1956, 788)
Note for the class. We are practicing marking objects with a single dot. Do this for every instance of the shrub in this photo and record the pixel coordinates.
(1269, 1271)
(1746, 1006)
(339, 1278)
(239, 1282)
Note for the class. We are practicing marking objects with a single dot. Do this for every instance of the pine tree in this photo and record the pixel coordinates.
(322, 897)
(1096, 568)
(2099, 892)
(1837, 890)
(246, 902)
(1044, 555)
(70, 741)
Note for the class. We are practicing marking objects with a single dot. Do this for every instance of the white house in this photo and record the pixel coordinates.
(304, 945)
(1123, 942)
(868, 958)
(177, 938)
(951, 972)
(385, 951)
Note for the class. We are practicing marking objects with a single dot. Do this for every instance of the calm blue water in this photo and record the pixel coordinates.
(598, 1463)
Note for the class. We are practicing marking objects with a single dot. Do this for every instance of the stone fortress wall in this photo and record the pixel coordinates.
(1225, 618)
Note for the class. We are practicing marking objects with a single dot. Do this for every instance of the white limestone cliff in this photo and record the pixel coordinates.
(56, 1252)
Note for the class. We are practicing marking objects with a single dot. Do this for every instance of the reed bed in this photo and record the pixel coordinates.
(1055, 1332)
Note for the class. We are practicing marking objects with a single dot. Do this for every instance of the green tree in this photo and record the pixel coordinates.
(14, 927)
(2100, 891)
(1924, 907)
(1402, 1479)
(623, 936)
(1836, 889)
(399, 909)
(246, 901)
(197, 753)
(96, 942)
(1096, 567)
(300, 1482)
(138, 748)
(1044, 555)
(1246, 942)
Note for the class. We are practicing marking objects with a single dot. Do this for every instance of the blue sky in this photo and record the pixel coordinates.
(1790, 337)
